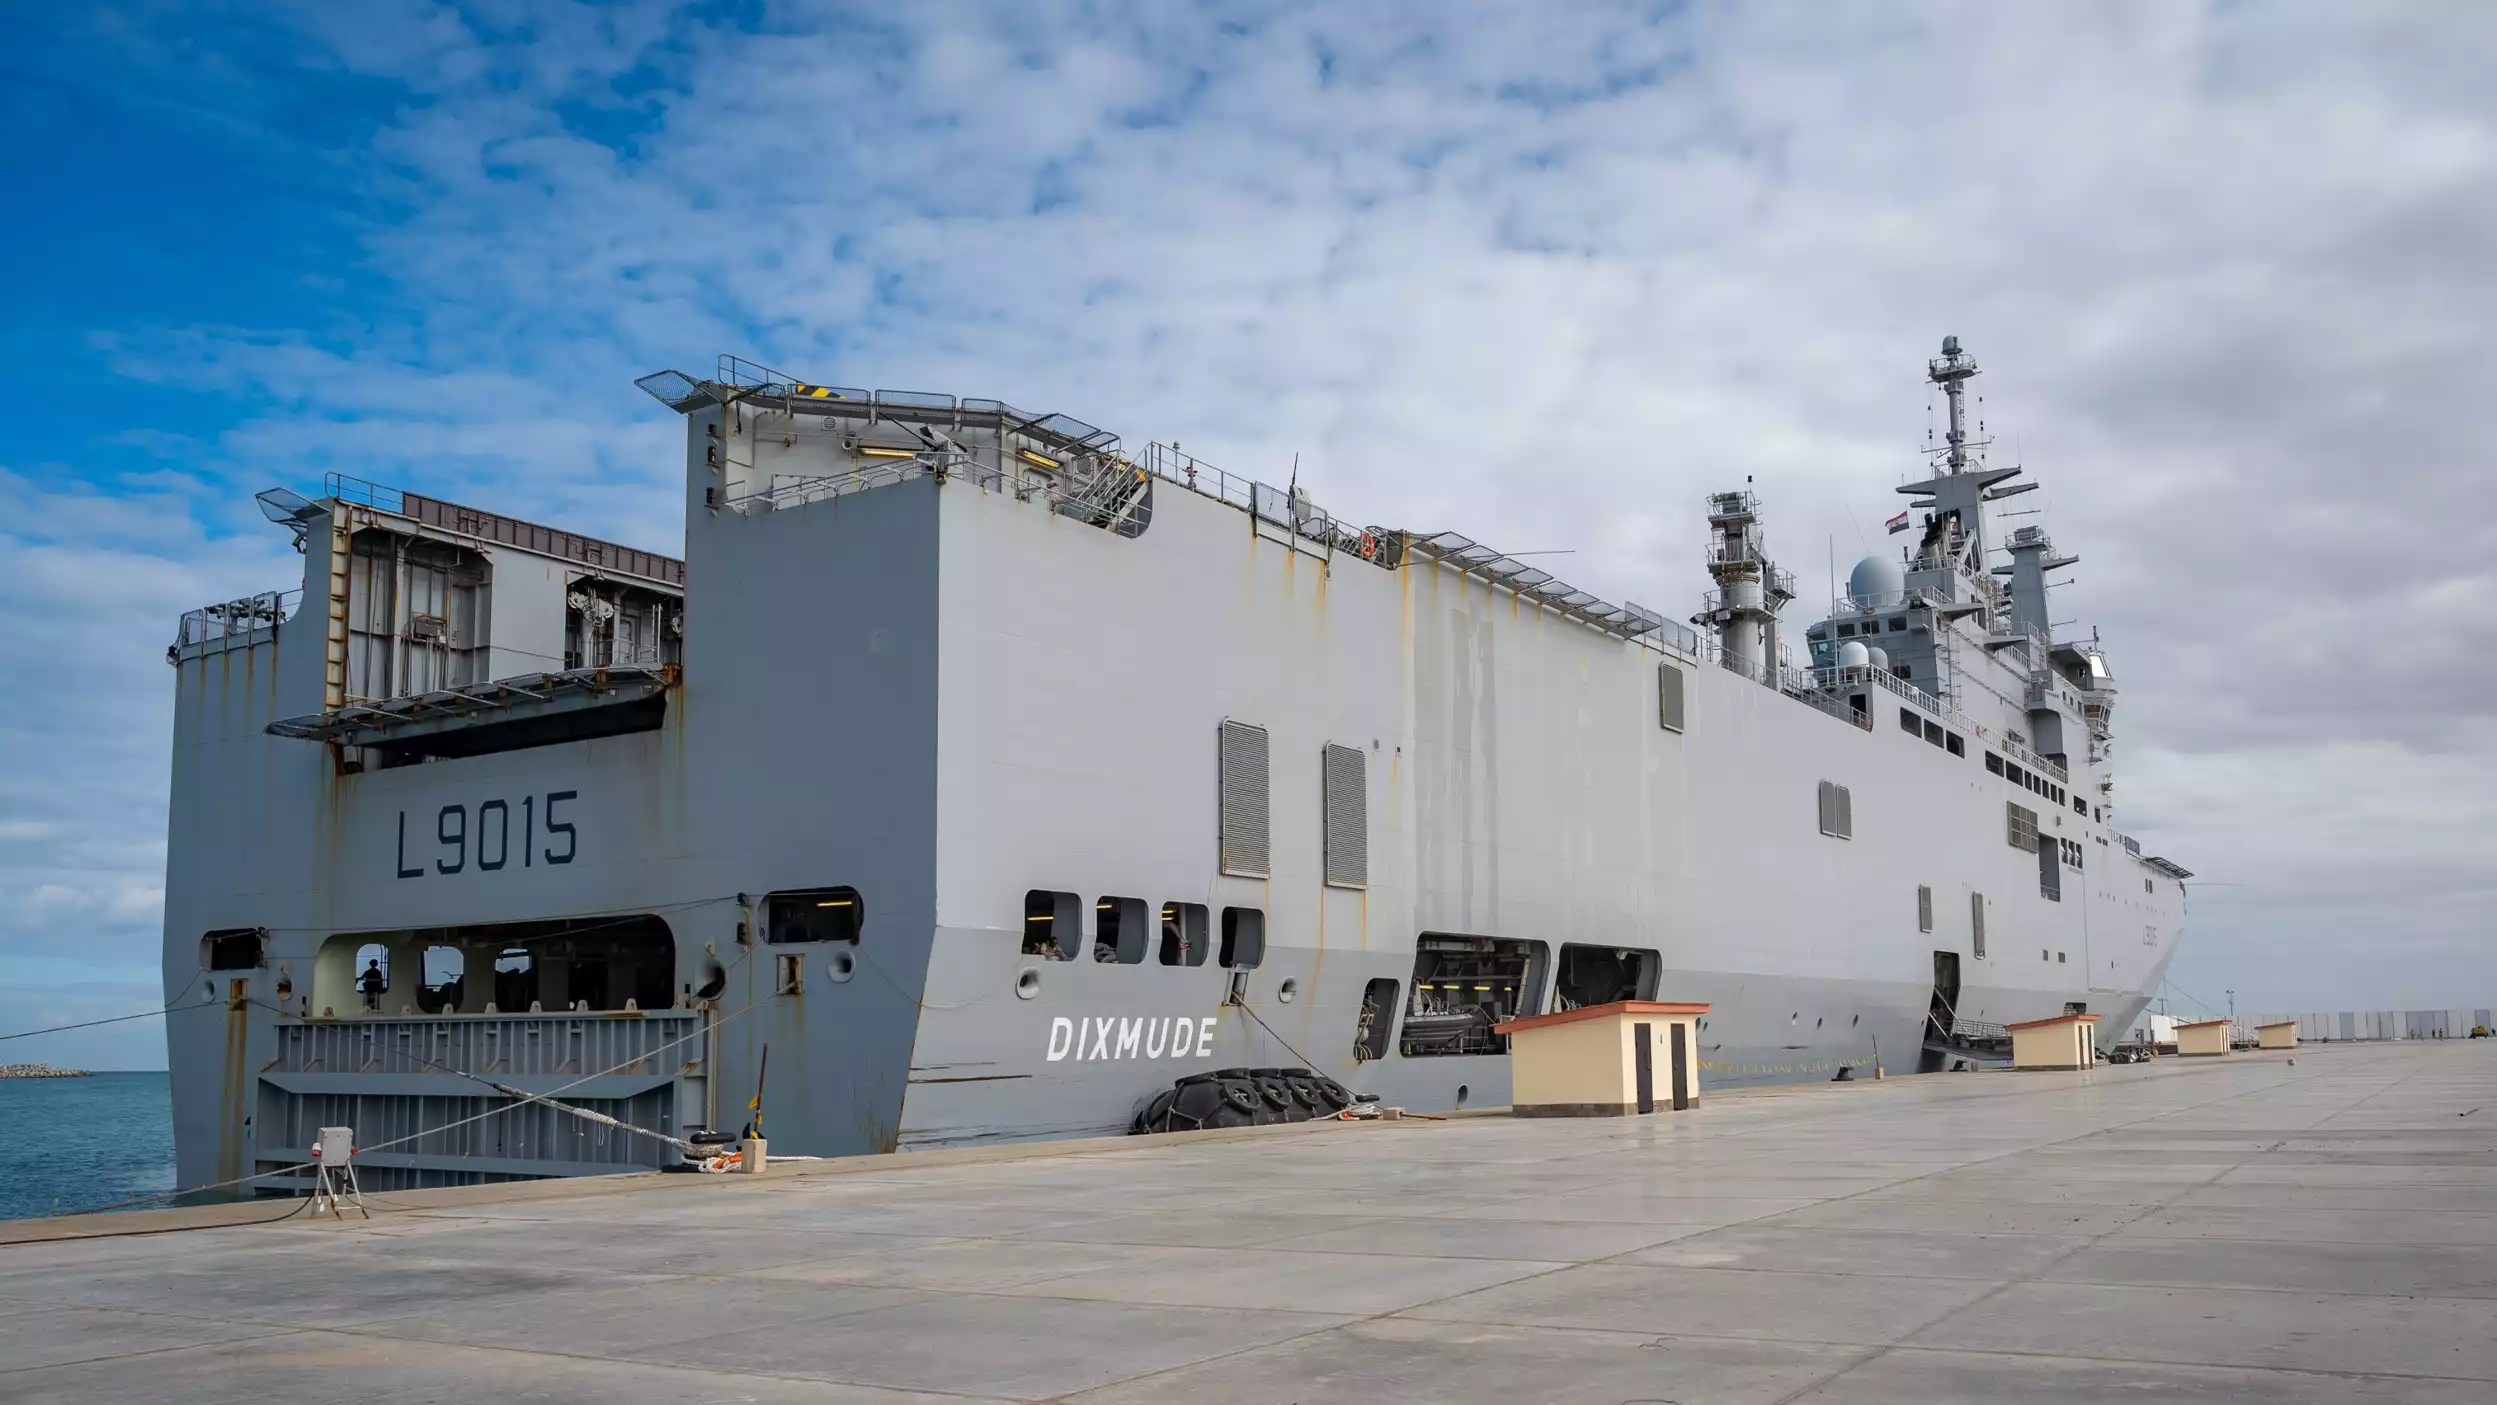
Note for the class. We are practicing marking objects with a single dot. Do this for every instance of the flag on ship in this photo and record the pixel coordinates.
(1897, 524)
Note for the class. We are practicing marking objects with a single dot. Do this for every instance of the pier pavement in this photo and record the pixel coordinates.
(2248, 1227)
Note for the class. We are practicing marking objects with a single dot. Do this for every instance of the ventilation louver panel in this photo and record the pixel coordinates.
(1668, 697)
(1244, 811)
(1837, 811)
(1347, 784)
(2020, 827)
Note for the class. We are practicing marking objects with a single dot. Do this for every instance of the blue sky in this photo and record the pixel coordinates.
(1544, 273)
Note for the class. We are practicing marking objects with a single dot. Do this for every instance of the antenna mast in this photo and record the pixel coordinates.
(1952, 371)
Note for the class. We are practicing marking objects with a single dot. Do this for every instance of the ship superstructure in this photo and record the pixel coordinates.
(992, 774)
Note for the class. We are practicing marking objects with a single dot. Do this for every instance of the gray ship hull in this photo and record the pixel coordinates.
(933, 704)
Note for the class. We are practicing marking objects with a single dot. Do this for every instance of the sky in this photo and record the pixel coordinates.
(1544, 274)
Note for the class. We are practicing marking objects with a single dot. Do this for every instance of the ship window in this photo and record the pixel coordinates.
(1462, 986)
(1344, 775)
(1900, 670)
(442, 985)
(1924, 908)
(2017, 776)
(2059, 958)
(1600, 975)
(1994, 763)
(2049, 872)
(1898, 623)
(1183, 934)
(1119, 931)
(2080, 807)
(1837, 811)
(2146, 885)
(1243, 937)
(1668, 697)
(515, 979)
(372, 975)
(1907, 722)
(2020, 827)
(1378, 1020)
(1933, 732)
(1242, 818)
(1976, 924)
(813, 915)
(1952, 744)
(1846, 631)
(1053, 925)
(233, 948)
(574, 963)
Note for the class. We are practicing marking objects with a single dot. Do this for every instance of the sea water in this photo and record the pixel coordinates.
(73, 1144)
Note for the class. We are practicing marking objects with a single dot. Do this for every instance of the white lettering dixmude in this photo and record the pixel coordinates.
(1130, 1037)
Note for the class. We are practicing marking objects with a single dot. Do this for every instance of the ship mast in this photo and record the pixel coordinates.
(1952, 371)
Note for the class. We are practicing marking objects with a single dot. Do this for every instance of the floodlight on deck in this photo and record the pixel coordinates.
(288, 509)
(678, 391)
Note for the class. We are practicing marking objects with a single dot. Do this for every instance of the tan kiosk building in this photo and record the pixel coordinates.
(1612, 1060)
(2201, 1038)
(2281, 1034)
(2056, 1042)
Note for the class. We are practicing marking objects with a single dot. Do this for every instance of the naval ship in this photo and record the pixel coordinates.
(976, 775)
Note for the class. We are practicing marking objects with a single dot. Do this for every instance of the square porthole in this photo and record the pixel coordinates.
(813, 915)
(789, 973)
(1184, 941)
(1243, 937)
(1053, 925)
(1119, 933)
(234, 949)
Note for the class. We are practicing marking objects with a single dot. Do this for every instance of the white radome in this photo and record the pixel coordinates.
(1876, 583)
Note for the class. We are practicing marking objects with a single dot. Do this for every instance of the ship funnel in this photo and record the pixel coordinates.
(1750, 588)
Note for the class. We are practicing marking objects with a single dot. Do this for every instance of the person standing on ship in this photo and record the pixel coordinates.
(373, 983)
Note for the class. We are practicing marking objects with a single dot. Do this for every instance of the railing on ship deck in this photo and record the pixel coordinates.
(405, 1080)
(230, 624)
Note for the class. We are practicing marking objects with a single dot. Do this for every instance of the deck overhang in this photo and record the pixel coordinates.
(581, 702)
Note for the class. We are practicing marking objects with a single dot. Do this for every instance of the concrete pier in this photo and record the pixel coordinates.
(2244, 1228)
